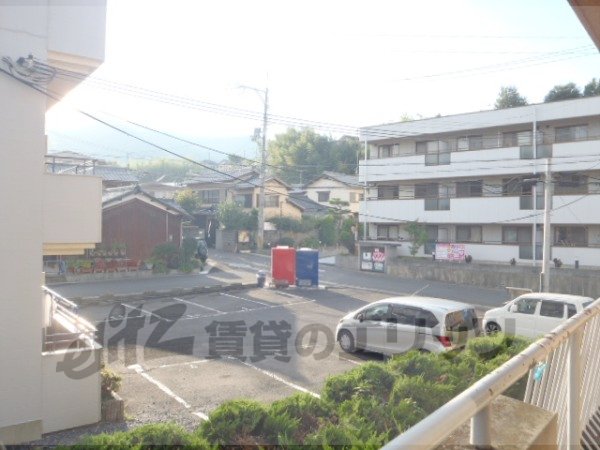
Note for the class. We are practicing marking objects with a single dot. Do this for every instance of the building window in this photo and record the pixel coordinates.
(388, 151)
(526, 200)
(387, 232)
(511, 186)
(570, 184)
(475, 142)
(469, 188)
(468, 233)
(354, 197)
(323, 196)
(244, 200)
(516, 138)
(436, 197)
(211, 196)
(387, 192)
(570, 236)
(514, 235)
(271, 201)
(570, 133)
(541, 151)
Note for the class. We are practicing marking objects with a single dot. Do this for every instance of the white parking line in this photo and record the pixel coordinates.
(200, 316)
(418, 291)
(198, 305)
(143, 311)
(276, 377)
(185, 363)
(140, 370)
(243, 298)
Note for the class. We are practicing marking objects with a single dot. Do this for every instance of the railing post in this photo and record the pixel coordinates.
(574, 392)
(481, 436)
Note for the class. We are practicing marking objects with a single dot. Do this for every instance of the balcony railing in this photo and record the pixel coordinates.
(66, 329)
(563, 377)
(443, 147)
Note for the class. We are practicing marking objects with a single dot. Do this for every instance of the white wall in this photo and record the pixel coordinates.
(336, 189)
(72, 209)
(22, 146)
(70, 402)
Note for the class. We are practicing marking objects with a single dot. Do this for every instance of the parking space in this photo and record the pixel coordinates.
(186, 355)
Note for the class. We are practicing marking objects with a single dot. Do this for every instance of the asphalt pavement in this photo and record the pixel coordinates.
(227, 268)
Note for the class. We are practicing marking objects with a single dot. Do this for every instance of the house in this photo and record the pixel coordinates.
(307, 206)
(241, 186)
(44, 214)
(68, 162)
(477, 180)
(141, 221)
(334, 186)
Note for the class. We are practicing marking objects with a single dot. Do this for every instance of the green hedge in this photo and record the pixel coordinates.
(364, 407)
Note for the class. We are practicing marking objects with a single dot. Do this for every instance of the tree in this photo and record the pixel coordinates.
(509, 97)
(562, 92)
(592, 88)
(233, 217)
(302, 156)
(188, 200)
(417, 235)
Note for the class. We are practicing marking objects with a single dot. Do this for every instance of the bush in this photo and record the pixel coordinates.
(310, 242)
(167, 253)
(154, 436)
(284, 223)
(304, 411)
(428, 395)
(286, 241)
(110, 382)
(234, 422)
(370, 379)
(327, 231)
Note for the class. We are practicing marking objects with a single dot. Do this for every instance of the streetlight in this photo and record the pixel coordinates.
(264, 96)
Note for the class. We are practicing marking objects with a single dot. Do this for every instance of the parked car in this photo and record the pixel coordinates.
(398, 324)
(534, 315)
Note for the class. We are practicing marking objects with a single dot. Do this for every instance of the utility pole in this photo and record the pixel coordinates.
(548, 191)
(534, 191)
(260, 235)
(366, 192)
(260, 238)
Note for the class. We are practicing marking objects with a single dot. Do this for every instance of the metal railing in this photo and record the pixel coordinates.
(564, 377)
(64, 312)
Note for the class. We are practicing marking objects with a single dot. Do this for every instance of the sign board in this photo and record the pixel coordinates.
(373, 259)
(450, 252)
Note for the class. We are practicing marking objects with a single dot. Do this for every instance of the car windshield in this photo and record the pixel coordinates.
(462, 320)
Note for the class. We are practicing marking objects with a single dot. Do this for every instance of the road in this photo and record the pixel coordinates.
(242, 267)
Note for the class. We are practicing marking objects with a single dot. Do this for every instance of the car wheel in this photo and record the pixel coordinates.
(492, 328)
(346, 341)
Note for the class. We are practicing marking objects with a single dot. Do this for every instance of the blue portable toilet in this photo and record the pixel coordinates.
(307, 267)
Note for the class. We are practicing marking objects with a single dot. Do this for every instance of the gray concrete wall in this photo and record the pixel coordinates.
(567, 281)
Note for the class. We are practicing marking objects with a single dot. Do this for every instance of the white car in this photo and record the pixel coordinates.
(398, 324)
(534, 315)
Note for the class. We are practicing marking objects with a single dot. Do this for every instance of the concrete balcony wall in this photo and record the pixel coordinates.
(76, 32)
(72, 210)
(71, 392)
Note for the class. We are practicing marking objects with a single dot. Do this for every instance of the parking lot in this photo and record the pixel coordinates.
(180, 357)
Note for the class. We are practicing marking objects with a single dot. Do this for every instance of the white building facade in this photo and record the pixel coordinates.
(43, 214)
(477, 180)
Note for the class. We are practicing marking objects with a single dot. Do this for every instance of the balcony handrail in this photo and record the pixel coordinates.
(56, 297)
(474, 403)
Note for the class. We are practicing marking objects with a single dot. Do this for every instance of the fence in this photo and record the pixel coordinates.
(564, 377)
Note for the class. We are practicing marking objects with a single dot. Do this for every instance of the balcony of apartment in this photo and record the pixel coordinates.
(70, 366)
(572, 148)
(567, 209)
(72, 213)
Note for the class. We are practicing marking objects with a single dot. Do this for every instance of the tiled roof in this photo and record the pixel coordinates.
(222, 177)
(113, 196)
(106, 172)
(350, 180)
(307, 205)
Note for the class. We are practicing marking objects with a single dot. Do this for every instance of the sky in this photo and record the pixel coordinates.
(335, 64)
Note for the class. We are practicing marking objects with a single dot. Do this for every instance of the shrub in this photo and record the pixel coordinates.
(154, 436)
(327, 231)
(305, 410)
(370, 379)
(284, 223)
(234, 422)
(168, 253)
(286, 241)
(428, 395)
(310, 242)
(110, 382)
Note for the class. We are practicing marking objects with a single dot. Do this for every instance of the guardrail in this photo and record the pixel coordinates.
(65, 311)
(564, 377)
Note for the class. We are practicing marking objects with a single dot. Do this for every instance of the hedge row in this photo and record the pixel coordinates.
(365, 407)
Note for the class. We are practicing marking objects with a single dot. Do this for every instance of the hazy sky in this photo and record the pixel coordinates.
(347, 63)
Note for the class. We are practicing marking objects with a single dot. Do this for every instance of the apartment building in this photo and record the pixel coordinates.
(43, 214)
(476, 183)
